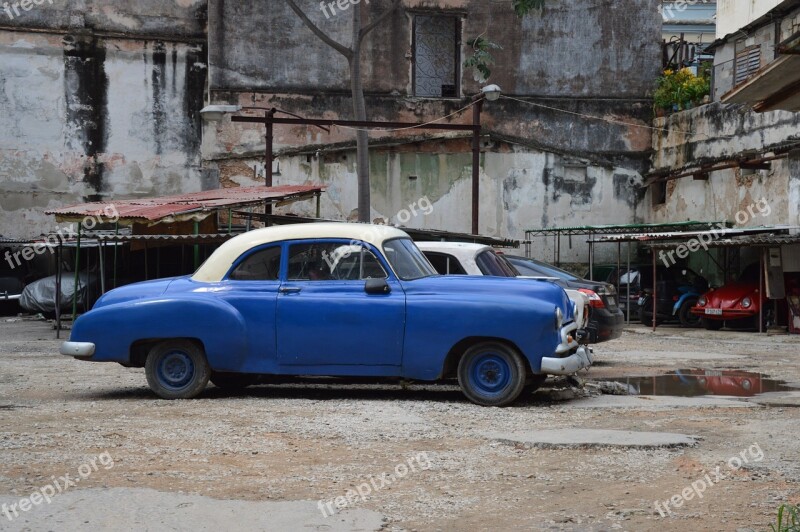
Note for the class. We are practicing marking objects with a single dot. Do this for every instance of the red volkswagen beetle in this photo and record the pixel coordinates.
(739, 300)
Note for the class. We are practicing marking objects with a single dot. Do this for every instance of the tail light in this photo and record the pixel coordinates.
(594, 300)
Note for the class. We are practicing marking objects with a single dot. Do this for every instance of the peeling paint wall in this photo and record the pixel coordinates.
(521, 189)
(715, 133)
(577, 60)
(89, 110)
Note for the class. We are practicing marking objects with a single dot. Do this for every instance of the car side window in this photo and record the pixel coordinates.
(262, 265)
(445, 264)
(490, 264)
(333, 262)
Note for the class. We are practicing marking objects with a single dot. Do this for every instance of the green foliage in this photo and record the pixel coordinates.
(788, 519)
(523, 7)
(681, 89)
(481, 58)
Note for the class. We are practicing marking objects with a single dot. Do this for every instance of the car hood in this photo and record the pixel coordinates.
(730, 294)
(479, 285)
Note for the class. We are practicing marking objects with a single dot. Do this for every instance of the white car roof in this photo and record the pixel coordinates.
(465, 252)
(220, 262)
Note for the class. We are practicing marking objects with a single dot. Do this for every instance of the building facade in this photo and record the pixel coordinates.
(567, 147)
(98, 99)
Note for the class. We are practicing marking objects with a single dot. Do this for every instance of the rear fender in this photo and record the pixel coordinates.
(114, 329)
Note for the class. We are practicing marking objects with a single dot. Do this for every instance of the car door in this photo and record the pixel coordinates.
(326, 320)
(252, 288)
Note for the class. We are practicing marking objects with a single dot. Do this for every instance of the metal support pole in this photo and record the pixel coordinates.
(476, 162)
(619, 264)
(591, 258)
(230, 221)
(102, 251)
(558, 249)
(196, 246)
(319, 210)
(58, 290)
(116, 245)
(77, 271)
(628, 284)
(146, 263)
(655, 293)
(269, 116)
(761, 291)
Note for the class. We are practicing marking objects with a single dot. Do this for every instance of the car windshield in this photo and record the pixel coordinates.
(407, 260)
(552, 271)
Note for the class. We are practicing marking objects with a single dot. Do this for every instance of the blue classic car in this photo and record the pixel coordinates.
(348, 300)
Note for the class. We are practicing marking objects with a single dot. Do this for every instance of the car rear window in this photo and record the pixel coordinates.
(490, 264)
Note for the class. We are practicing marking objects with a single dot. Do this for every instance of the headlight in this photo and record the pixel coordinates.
(702, 301)
(559, 318)
(747, 302)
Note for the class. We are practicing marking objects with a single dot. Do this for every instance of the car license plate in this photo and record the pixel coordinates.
(612, 302)
(641, 301)
(713, 312)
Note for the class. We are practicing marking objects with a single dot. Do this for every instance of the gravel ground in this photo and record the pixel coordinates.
(277, 451)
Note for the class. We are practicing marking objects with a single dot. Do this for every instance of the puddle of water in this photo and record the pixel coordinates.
(698, 382)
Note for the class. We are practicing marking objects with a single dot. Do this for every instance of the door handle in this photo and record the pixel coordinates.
(290, 290)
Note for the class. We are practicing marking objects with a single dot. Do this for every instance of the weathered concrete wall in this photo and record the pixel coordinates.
(716, 133)
(521, 188)
(586, 70)
(152, 18)
(86, 115)
(574, 48)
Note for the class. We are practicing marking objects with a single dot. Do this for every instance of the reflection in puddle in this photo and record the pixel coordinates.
(696, 382)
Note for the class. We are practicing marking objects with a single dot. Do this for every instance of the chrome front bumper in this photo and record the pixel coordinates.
(77, 349)
(581, 359)
(566, 345)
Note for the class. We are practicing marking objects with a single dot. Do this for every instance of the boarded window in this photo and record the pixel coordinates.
(436, 56)
(748, 61)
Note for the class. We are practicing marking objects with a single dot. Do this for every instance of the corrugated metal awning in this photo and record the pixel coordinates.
(195, 206)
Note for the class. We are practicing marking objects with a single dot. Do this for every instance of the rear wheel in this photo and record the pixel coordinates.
(233, 381)
(712, 325)
(491, 374)
(685, 313)
(177, 369)
(647, 317)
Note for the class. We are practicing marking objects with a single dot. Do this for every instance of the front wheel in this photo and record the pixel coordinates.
(685, 314)
(177, 369)
(491, 374)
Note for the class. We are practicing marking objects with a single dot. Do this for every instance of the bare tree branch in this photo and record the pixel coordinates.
(345, 51)
(371, 26)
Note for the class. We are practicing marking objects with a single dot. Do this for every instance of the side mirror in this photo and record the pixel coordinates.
(377, 286)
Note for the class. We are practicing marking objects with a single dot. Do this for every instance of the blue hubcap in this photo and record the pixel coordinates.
(175, 369)
(490, 374)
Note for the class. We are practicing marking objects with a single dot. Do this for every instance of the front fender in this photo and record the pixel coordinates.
(115, 328)
(677, 306)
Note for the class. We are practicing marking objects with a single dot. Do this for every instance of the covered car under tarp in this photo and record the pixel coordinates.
(39, 296)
